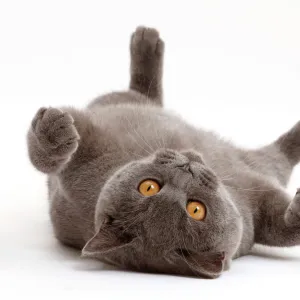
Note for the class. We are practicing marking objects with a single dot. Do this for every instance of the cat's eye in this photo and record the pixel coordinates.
(149, 187)
(196, 210)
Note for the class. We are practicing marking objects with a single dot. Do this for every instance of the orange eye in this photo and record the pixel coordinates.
(149, 187)
(196, 210)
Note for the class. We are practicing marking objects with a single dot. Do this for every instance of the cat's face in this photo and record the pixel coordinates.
(156, 229)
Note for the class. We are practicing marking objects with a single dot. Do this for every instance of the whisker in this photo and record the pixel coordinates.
(135, 140)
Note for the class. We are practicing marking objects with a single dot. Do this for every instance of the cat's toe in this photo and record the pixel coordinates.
(63, 131)
(37, 118)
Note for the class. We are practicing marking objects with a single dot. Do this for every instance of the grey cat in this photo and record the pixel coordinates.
(136, 186)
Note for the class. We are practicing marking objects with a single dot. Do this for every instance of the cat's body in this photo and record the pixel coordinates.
(119, 129)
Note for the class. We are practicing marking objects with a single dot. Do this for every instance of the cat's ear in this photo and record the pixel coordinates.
(210, 265)
(105, 241)
(193, 155)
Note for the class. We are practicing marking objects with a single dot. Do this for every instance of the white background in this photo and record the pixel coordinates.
(231, 66)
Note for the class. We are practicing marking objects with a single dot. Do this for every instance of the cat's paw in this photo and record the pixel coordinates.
(55, 132)
(292, 215)
(145, 42)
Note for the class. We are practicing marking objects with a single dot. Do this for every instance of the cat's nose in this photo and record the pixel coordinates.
(186, 167)
(204, 176)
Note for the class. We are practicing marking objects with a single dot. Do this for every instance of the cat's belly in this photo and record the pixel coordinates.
(144, 129)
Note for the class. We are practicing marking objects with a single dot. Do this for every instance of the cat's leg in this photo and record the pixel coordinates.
(289, 144)
(277, 218)
(147, 50)
(57, 137)
(66, 145)
(52, 139)
(278, 159)
(146, 70)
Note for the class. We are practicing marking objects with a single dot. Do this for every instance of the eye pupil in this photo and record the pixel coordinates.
(148, 189)
(196, 209)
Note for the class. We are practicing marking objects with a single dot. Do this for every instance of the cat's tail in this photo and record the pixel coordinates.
(289, 144)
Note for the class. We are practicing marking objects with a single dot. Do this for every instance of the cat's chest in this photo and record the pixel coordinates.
(142, 131)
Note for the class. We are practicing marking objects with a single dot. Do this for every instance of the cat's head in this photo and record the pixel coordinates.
(167, 213)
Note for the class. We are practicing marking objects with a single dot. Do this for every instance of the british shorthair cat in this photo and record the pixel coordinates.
(138, 187)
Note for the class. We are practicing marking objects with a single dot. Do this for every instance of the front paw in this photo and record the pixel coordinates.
(292, 215)
(55, 132)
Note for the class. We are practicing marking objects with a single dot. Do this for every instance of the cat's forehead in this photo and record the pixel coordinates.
(143, 169)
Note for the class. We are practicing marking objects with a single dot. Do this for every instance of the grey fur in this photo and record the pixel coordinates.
(95, 159)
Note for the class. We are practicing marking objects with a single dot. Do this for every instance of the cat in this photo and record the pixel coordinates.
(136, 186)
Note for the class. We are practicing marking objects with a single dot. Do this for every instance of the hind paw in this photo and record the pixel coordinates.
(145, 42)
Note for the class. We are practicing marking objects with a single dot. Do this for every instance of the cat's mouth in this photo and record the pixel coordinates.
(207, 264)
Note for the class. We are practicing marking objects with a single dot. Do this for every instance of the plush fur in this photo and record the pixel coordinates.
(95, 159)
